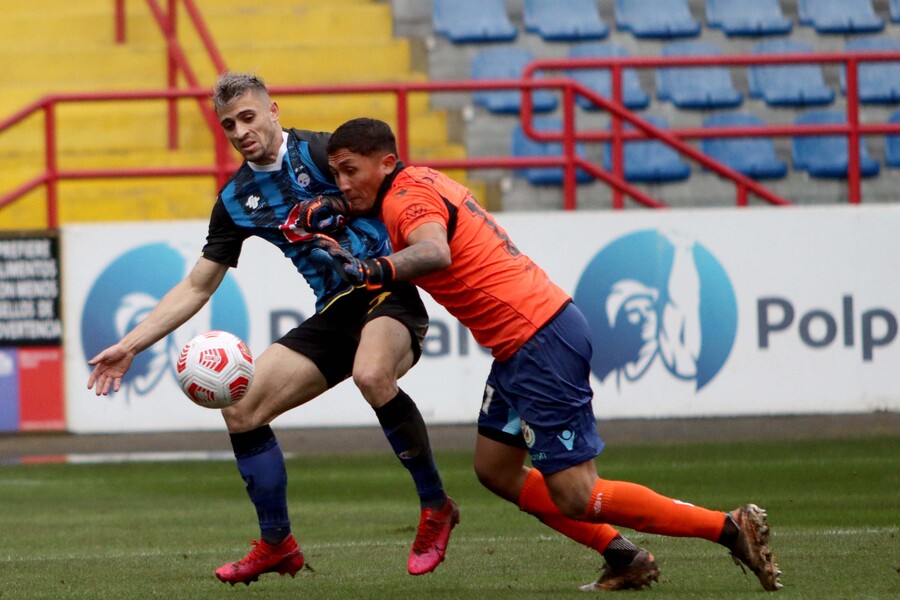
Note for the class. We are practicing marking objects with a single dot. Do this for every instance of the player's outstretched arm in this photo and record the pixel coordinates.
(178, 305)
(427, 252)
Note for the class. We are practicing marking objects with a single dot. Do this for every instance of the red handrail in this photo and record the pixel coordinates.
(177, 61)
(569, 136)
(853, 129)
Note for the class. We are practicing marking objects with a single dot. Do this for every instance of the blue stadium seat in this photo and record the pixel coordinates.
(649, 161)
(892, 144)
(696, 87)
(472, 21)
(788, 85)
(600, 80)
(506, 63)
(568, 21)
(879, 82)
(522, 145)
(827, 155)
(645, 19)
(753, 156)
(839, 16)
(740, 17)
(894, 6)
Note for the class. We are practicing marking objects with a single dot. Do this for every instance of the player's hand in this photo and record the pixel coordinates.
(372, 273)
(109, 368)
(323, 214)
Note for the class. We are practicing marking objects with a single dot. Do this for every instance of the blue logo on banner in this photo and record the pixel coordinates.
(658, 298)
(125, 293)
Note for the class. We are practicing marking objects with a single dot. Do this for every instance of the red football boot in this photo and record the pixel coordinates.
(281, 558)
(430, 545)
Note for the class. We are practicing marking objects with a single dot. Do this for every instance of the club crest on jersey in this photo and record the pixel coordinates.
(303, 179)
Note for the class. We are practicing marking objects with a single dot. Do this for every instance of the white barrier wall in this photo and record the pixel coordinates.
(692, 312)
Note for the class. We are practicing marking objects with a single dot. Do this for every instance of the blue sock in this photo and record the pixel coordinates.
(261, 465)
(405, 430)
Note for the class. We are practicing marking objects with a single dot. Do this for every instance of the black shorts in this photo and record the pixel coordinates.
(330, 338)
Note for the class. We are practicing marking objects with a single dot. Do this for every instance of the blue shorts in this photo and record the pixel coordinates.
(540, 398)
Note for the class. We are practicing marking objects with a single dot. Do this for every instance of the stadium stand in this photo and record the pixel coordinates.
(649, 161)
(506, 63)
(752, 156)
(788, 85)
(739, 17)
(894, 8)
(828, 155)
(569, 21)
(54, 49)
(600, 80)
(644, 19)
(879, 82)
(473, 21)
(696, 87)
(523, 146)
(839, 16)
(892, 145)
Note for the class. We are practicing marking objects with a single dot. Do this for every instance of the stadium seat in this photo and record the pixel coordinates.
(740, 17)
(649, 161)
(839, 16)
(753, 156)
(892, 144)
(472, 21)
(600, 80)
(696, 87)
(879, 82)
(788, 85)
(568, 21)
(827, 155)
(522, 145)
(644, 19)
(507, 63)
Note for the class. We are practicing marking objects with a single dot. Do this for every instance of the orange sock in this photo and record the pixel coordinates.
(631, 505)
(535, 500)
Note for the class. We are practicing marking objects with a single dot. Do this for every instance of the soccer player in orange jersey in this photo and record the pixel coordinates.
(537, 400)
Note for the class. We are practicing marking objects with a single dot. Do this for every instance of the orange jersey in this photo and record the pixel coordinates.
(500, 294)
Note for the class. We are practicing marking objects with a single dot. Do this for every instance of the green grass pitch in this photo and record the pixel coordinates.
(158, 530)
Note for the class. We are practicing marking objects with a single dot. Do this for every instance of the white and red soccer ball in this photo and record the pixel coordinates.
(215, 369)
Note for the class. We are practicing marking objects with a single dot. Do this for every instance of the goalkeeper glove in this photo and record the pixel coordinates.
(372, 273)
(323, 214)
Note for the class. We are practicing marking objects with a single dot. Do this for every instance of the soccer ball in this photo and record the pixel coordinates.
(215, 369)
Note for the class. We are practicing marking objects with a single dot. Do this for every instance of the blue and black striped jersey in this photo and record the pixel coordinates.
(262, 200)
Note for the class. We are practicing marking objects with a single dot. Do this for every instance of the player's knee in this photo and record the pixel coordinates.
(376, 385)
(240, 418)
(497, 481)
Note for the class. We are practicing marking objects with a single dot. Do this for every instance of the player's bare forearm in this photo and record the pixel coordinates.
(419, 259)
(427, 252)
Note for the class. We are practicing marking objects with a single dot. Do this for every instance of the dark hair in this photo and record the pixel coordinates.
(231, 85)
(363, 136)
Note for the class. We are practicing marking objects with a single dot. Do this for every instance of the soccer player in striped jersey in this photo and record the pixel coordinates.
(537, 400)
(373, 336)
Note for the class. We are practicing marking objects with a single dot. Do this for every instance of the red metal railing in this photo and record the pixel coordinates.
(673, 137)
(176, 62)
(569, 136)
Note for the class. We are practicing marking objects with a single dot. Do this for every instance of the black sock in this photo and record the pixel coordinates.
(405, 430)
(729, 533)
(620, 552)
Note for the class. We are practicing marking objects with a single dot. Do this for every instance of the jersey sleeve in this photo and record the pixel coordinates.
(411, 205)
(224, 239)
